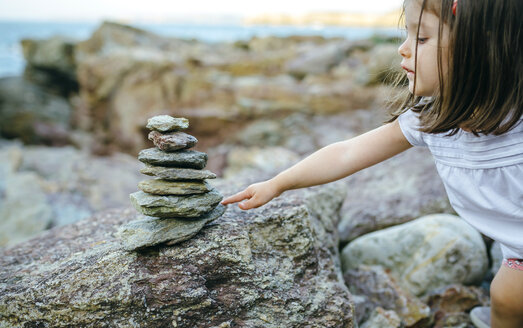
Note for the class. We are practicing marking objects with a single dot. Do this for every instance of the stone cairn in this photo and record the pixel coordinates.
(178, 202)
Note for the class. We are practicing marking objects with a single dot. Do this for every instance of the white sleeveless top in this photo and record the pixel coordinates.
(483, 177)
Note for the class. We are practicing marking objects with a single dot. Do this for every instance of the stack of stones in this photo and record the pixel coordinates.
(178, 202)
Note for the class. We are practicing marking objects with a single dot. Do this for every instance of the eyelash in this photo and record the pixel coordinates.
(420, 40)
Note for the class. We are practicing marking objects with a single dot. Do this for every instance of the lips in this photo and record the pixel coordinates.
(408, 70)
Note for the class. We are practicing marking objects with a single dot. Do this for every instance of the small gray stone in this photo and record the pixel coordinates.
(182, 158)
(177, 174)
(172, 141)
(153, 231)
(164, 187)
(166, 123)
(175, 206)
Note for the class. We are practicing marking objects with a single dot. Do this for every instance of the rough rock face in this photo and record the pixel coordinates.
(124, 70)
(425, 254)
(382, 291)
(393, 192)
(276, 266)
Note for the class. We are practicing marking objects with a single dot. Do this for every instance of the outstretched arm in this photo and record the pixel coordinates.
(328, 164)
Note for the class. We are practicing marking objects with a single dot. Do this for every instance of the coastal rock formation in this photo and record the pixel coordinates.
(276, 266)
(124, 70)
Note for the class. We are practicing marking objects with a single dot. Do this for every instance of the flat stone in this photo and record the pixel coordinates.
(154, 231)
(164, 187)
(172, 141)
(176, 174)
(191, 206)
(182, 158)
(166, 123)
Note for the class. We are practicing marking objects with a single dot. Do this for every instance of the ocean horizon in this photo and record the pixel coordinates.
(12, 62)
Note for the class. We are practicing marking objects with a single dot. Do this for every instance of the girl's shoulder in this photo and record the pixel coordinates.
(464, 149)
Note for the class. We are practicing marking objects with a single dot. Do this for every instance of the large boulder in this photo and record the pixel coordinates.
(425, 254)
(56, 54)
(29, 113)
(393, 192)
(276, 266)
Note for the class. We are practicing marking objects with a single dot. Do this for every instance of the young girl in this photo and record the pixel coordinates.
(463, 61)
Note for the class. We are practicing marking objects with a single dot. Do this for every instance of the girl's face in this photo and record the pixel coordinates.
(426, 69)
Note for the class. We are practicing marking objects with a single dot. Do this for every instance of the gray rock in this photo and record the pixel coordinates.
(424, 254)
(175, 206)
(153, 231)
(176, 174)
(393, 192)
(163, 187)
(382, 291)
(182, 158)
(172, 141)
(496, 256)
(166, 123)
(275, 266)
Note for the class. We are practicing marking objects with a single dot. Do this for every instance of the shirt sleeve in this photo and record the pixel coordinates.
(409, 124)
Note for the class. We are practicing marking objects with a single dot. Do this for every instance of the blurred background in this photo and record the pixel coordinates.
(263, 85)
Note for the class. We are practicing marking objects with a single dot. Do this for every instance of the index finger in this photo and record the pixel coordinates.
(236, 198)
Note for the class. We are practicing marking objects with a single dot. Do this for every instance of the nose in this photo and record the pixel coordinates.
(404, 50)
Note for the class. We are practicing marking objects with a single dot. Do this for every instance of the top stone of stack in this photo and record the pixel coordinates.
(166, 123)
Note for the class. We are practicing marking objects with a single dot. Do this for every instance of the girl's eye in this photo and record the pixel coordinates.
(422, 40)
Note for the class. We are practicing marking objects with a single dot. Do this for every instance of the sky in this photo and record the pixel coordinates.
(157, 10)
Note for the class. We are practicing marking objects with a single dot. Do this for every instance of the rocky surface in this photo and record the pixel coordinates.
(383, 318)
(32, 115)
(381, 290)
(396, 191)
(425, 254)
(451, 304)
(219, 87)
(43, 187)
(276, 266)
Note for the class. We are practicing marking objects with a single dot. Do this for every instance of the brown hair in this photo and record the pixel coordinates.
(482, 92)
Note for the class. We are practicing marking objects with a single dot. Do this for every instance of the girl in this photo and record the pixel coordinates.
(464, 66)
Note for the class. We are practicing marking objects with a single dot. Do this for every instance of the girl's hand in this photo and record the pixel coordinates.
(256, 194)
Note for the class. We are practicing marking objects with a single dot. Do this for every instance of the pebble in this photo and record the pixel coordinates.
(173, 141)
(163, 187)
(182, 158)
(166, 123)
(176, 174)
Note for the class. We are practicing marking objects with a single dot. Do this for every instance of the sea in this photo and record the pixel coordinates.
(12, 62)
